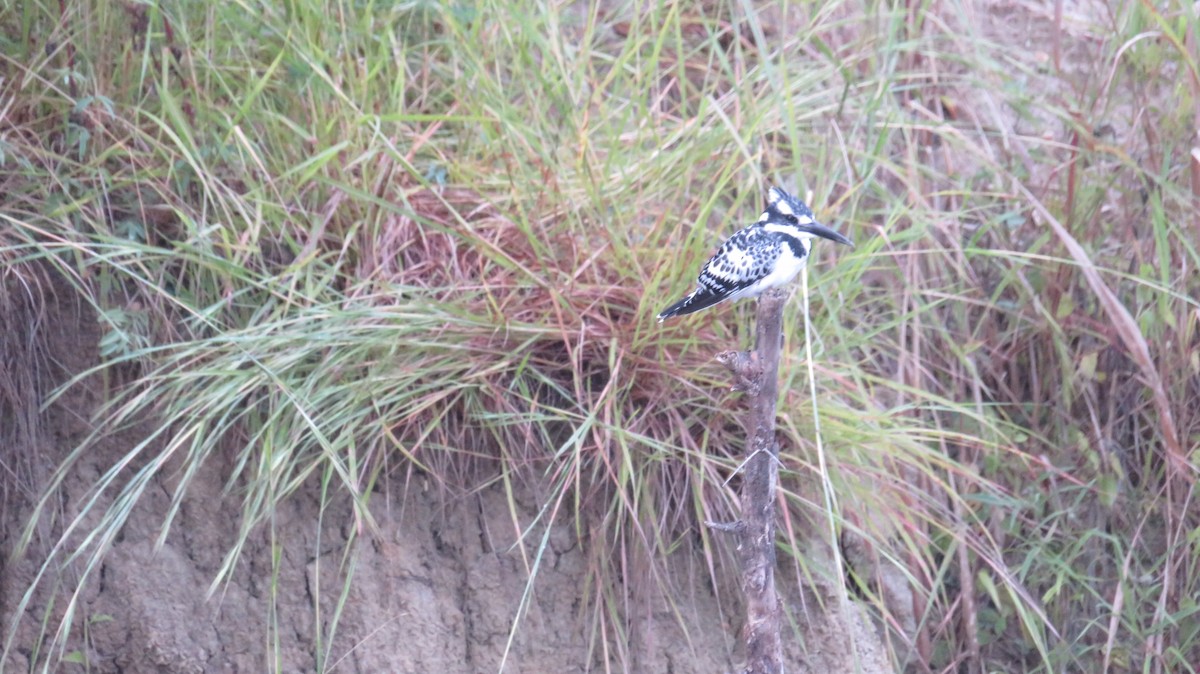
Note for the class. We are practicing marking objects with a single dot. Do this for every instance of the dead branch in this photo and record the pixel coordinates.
(757, 373)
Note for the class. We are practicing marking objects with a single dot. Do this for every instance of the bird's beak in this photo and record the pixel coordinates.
(817, 229)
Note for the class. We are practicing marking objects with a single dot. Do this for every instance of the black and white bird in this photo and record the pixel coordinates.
(767, 254)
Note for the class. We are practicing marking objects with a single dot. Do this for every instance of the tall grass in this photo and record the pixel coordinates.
(337, 240)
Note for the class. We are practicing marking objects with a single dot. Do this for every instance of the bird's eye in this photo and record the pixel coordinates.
(791, 217)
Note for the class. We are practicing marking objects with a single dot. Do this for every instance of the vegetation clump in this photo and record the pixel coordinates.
(333, 245)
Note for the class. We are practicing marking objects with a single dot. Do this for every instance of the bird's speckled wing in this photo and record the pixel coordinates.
(741, 261)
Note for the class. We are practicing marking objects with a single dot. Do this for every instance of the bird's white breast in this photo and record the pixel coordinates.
(783, 271)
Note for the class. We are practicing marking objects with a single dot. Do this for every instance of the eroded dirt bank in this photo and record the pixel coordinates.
(434, 589)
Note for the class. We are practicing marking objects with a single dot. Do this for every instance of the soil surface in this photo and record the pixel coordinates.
(435, 589)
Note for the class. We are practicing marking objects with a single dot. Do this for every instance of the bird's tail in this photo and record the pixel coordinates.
(701, 298)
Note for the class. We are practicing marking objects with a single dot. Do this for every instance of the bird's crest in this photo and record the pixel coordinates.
(783, 207)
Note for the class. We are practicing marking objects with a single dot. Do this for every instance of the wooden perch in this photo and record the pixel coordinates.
(757, 373)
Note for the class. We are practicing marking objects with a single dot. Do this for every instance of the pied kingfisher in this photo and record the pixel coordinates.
(764, 255)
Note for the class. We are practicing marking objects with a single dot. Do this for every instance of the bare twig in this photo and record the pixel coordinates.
(757, 373)
(746, 369)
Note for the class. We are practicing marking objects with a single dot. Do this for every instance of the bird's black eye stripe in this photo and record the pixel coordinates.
(791, 217)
